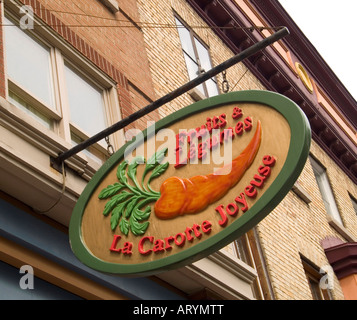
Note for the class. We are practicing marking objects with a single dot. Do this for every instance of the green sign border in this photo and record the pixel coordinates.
(294, 164)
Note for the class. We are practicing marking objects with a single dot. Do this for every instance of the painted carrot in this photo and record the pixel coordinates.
(188, 196)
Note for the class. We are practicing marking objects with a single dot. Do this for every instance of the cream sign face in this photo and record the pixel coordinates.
(190, 184)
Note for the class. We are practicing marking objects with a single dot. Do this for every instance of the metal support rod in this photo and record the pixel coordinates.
(174, 94)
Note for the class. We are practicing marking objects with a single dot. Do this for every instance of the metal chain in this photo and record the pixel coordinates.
(110, 148)
(225, 84)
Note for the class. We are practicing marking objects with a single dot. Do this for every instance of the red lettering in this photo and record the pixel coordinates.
(180, 139)
(250, 191)
(221, 137)
(192, 152)
(215, 122)
(179, 144)
(158, 246)
(241, 199)
(202, 153)
(183, 239)
(201, 132)
(195, 228)
(239, 128)
(167, 243)
(222, 118)
(237, 113)
(269, 161)
(213, 142)
(127, 249)
(179, 162)
(264, 171)
(188, 234)
(248, 123)
(258, 181)
(209, 125)
(232, 209)
(141, 245)
(206, 226)
(191, 135)
(115, 243)
(230, 132)
(223, 215)
(226, 134)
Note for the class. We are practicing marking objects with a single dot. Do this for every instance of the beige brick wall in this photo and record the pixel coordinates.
(294, 228)
(165, 54)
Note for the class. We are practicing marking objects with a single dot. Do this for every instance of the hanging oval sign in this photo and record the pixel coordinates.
(190, 183)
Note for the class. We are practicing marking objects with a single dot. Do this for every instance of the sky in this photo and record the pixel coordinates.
(323, 20)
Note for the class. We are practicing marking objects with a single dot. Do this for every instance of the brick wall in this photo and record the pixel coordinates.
(108, 40)
(295, 228)
(165, 54)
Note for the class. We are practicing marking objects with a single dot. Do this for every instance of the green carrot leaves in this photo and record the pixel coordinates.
(129, 201)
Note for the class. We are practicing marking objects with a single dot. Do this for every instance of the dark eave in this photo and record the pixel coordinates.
(276, 76)
(275, 14)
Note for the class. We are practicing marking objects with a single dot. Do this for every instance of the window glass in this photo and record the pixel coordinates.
(197, 59)
(23, 105)
(43, 83)
(85, 103)
(314, 278)
(31, 68)
(193, 72)
(354, 204)
(212, 87)
(205, 63)
(203, 55)
(185, 39)
(326, 191)
(90, 152)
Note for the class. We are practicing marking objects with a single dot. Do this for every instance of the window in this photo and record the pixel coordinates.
(60, 95)
(29, 72)
(314, 278)
(326, 191)
(243, 251)
(250, 256)
(197, 59)
(354, 204)
(84, 98)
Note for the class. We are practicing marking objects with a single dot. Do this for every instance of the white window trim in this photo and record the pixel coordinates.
(112, 5)
(327, 192)
(62, 50)
(196, 94)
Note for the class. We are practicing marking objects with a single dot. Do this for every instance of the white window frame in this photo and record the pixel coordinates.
(197, 61)
(326, 191)
(59, 52)
(53, 114)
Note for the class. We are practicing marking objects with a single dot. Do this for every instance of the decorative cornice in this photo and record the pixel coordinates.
(343, 259)
(275, 14)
